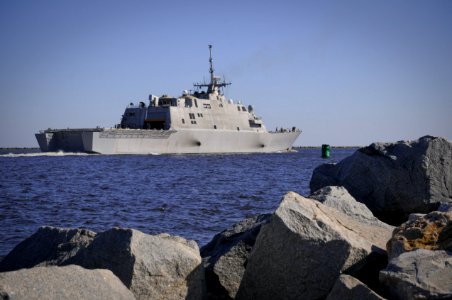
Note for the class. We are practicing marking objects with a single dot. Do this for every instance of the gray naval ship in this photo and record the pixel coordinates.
(203, 121)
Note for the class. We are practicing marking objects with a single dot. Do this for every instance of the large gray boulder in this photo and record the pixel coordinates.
(350, 288)
(419, 274)
(70, 282)
(225, 257)
(301, 252)
(432, 231)
(394, 179)
(339, 198)
(47, 246)
(151, 266)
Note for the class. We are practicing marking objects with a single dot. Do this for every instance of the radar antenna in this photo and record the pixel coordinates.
(215, 82)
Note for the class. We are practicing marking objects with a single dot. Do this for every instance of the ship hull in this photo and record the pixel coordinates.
(136, 141)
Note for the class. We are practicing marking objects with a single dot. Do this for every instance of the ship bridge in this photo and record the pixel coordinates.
(205, 108)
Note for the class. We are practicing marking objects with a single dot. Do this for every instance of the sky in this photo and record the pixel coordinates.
(347, 72)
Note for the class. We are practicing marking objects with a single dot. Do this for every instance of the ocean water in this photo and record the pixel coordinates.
(193, 196)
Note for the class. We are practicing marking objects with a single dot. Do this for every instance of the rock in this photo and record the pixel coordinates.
(226, 255)
(70, 282)
(301, 252)
(432, 232)
(47, 246)
(3, 294)
(394, 180)
(151, 266)
(325, 175)
(419, 274)
(338, 197)
(348, 287)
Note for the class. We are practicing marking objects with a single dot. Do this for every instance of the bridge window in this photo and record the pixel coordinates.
(238, 108)
(243, 108)
(192, 116)
(254, 125)
(154, 124)
(183, 121)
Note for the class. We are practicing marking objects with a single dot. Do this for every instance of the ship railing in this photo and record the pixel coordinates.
(71, 129)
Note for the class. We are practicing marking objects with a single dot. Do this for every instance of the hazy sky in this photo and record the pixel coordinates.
(345, 72)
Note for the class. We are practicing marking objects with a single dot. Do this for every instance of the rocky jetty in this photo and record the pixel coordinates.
(305, 247)
(394, 179)
(420, 265)
(305, 250)
(150, 266)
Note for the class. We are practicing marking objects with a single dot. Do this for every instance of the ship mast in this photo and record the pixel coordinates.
(215, 82)
(211, 65)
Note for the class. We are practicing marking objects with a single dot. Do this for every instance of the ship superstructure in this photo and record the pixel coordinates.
(203, 121)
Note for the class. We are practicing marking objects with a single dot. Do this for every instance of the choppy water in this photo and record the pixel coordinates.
(194, 196)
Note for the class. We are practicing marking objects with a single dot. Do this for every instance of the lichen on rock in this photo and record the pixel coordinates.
(431, 232)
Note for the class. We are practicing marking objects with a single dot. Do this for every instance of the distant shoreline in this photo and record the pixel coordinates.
(19, 148)
(318, 147)
(295, 147)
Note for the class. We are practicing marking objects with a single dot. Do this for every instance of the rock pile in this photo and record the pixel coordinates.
(305, 247)
(394, 179)
(150, 266)
(400, 182)
(421, 258)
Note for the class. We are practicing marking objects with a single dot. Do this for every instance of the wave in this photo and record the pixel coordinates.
(34, 154)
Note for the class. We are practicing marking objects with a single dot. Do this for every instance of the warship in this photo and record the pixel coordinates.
(199, 121)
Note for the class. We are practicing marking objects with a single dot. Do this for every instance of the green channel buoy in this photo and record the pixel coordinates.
(326, 151)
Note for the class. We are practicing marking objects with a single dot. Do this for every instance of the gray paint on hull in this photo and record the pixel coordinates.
(136, 141)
